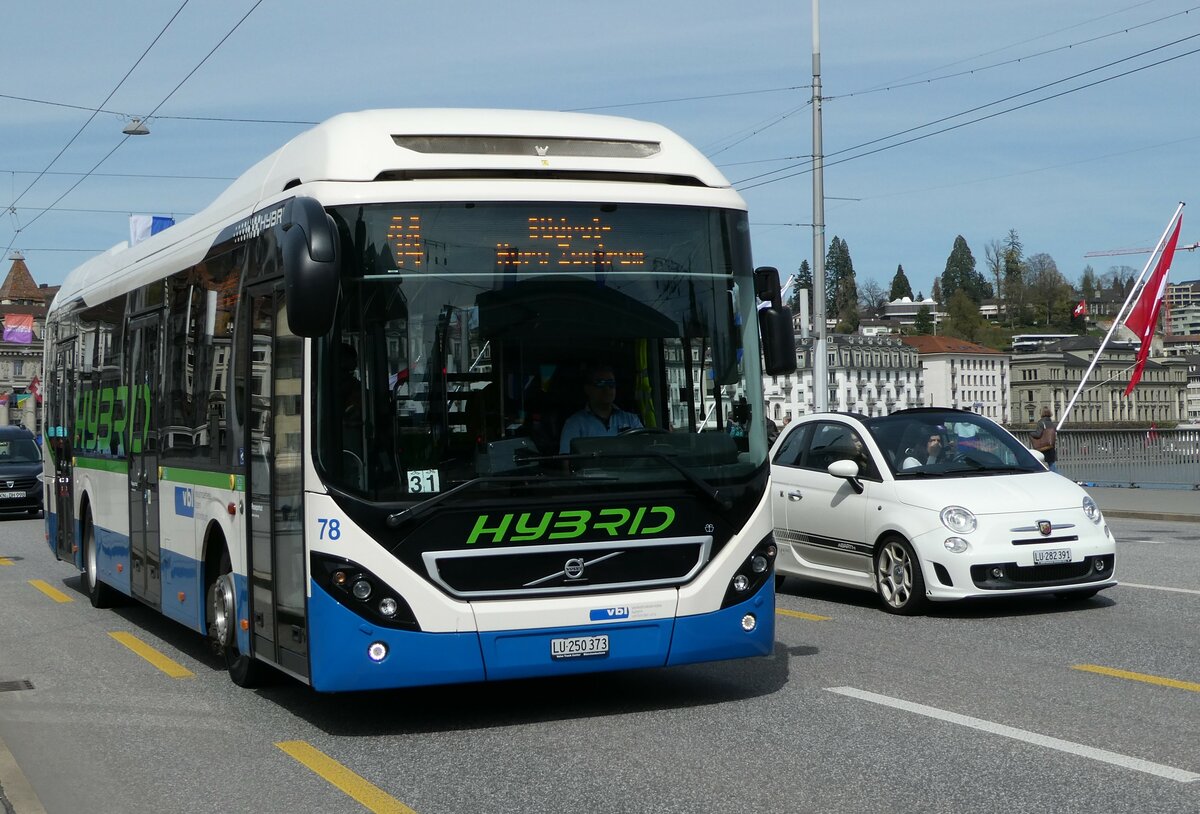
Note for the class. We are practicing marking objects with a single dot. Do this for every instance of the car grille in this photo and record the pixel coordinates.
(1092, 569)
(559, 570)
(23, 482)
(1039, 540)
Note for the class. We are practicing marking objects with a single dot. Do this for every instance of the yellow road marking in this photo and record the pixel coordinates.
(366, 793)
(50, 591)
(1149, 679)
(172, 668)
(5, 561)
(812, 617)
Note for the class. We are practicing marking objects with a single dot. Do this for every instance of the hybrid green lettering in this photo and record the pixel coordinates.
(570, 524)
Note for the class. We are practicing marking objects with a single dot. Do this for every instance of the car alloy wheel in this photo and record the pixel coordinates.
(898, 577)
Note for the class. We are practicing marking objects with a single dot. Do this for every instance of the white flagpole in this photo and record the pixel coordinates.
(1137, 286)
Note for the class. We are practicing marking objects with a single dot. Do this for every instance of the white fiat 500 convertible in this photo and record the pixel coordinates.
(931, 504)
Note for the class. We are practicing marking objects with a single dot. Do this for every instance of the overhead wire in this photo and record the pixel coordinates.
(96, 112)
(118, 145)
(981, 107)
(1014, 60)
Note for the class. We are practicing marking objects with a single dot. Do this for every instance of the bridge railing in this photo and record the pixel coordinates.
(1138, 457)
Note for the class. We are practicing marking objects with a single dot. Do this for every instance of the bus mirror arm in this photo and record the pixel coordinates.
(310, 266)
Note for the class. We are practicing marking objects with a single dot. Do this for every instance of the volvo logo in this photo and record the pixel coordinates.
(1045, 527)
(574, 568)
(540, 150)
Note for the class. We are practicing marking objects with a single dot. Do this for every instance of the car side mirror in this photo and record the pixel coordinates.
(847, 469)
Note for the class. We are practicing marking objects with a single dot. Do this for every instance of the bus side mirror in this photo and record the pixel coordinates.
(774, 324)
(310, 267)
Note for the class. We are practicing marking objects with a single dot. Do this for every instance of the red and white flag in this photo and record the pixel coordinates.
(1143, 318)
(1080, 310)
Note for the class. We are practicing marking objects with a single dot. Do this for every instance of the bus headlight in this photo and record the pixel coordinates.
(387, 606)
(361, 589)
(377, 651)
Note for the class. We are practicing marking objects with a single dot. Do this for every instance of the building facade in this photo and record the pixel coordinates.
(870, 375)
(23, 305)
(1192, 397)
(1050, 374)
(964, 375)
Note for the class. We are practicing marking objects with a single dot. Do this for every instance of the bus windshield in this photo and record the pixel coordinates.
(468, 334)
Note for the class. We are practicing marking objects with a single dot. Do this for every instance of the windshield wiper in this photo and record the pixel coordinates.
(396, 519)
(715, 495)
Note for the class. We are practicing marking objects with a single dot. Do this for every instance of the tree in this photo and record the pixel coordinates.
(962, 317)
(803, 282)
(1087, 283)
(960, 274)
(1014, 278)
(840, 286)
(936, 293)
(1118, 281)
(872, 298)
(1048, 289)
(923, 324)
(900, 286)
(993, 252)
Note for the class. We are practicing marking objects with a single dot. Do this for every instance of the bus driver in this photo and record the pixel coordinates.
(600, 416)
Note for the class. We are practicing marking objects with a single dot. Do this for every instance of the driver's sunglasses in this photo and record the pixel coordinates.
(604, 382)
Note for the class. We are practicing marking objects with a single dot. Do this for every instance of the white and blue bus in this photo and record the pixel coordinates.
(319, 422)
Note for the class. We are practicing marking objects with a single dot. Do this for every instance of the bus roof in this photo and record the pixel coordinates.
(406, 144)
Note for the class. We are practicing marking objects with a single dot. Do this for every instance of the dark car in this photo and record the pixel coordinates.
(20, 472)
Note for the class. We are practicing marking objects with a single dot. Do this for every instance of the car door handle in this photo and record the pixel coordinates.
(794, 496)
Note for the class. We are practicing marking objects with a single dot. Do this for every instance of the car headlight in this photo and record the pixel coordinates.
(1091, 509)
(958, 519)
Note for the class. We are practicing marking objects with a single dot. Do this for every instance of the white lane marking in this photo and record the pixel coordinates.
(1159, 588)
(1078, 749)
(1143, 542)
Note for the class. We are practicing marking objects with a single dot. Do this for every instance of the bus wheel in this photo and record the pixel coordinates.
(244, 670)
(101, 595)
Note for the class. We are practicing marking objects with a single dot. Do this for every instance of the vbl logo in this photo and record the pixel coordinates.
(609, 614)
(185, 504)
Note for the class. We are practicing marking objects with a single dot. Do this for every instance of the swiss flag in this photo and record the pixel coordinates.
(1080, 310)
(1144, 316)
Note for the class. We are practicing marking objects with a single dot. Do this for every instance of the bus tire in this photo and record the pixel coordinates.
(100, 595)
(244, 669)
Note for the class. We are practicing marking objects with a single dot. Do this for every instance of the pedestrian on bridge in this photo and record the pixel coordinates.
(1045, 439)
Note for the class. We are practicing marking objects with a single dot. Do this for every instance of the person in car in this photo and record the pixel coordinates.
(936, 449)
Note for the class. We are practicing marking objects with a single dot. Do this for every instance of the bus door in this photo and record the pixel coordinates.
(56, 443)
(275, 516)
(145, 360)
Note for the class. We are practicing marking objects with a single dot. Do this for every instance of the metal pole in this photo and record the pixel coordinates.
(820, 358)
(1117, 319)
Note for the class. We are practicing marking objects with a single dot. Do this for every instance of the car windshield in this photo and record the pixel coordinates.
(19, 451)
(484, 343)
(931, 443)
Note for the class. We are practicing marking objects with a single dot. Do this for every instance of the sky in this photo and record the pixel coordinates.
(938, 119)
